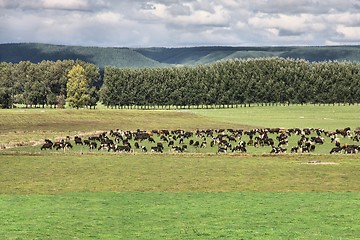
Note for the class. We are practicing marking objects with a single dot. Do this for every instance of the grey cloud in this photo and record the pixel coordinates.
(300, 6)
(147, 6)
(144, 23)
(40, 5)
(179, 9)
(285, 32)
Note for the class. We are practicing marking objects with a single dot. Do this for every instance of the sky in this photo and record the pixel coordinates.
(175, 23)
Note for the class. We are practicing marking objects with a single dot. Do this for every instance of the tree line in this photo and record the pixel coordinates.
(232, 82)
(46, 83)
(266, 81)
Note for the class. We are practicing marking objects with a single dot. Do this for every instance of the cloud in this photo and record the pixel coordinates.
(143, 23)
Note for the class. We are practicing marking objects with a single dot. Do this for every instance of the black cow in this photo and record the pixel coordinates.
(239, 148)
(47, 145)
(336, 150)
(157, 149)
(125, 148)
(222, 150)
(78, 140)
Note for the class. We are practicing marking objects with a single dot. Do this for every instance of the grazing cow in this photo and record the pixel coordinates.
(295, 149)
(222, 150)
(63, 145)
(357, 131)
(160, 146)
(351, 149)
(157, 149)
(250, 142)
(239, 148)
(136, 145)
(143, 149)
(86, 142)
(171, 143)
(163, 138)
(184, 147)
(47, 145)
(278, 150)
(94, 138)
(283, 142)
(231, 138)
(336, 150)
(163, 132)
(177, 149)
(125, 148)
(344, 132)
(141, 136)
(318, 139)
(78, 140)
(196, 144)
(93, 145)
(203, 144)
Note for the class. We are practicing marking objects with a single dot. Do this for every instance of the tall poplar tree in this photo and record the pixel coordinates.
(77, 87)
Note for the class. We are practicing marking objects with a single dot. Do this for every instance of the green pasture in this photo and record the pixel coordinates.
(80, 194)
(138, 215)
(329, 117)
(58, 173)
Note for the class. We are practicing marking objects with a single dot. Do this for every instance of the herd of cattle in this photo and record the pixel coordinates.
(221, 140)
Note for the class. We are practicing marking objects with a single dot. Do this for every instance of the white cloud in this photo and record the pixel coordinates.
(349, 33)
(178, 23)
(65, 4)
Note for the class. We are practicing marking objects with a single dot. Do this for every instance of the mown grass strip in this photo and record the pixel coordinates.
(56, 174)
(181, 216)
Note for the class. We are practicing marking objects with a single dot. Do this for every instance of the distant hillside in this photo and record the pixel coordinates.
(156, 57)
(202, 55)
(34, 52)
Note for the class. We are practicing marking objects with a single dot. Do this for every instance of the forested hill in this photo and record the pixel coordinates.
(35, 52)
(157, 57)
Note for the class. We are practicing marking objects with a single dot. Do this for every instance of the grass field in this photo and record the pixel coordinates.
(96, 195)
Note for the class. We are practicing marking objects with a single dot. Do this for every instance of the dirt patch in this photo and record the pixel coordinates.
(317, 162)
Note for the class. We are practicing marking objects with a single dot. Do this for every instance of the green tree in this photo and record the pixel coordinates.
(77, 87)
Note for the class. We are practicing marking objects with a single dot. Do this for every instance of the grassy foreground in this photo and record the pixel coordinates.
(181, 216)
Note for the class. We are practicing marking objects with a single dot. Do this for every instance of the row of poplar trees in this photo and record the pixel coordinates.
(233, 82)
(49, 83)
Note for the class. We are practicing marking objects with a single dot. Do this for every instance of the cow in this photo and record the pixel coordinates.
(124, 148)
(295, 149)
(157, 149)
(239, 148)
(93, 145)
(177, 149)
(86, 142)
(318, 139)
(336, 150)
(222, 150)
(278, 150)
(171, 143)
(78, 140)
(47, 145)
(143, 149)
